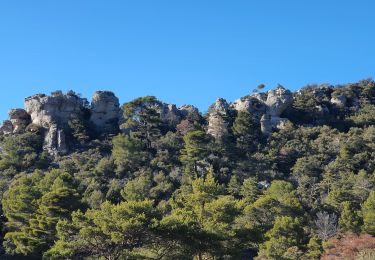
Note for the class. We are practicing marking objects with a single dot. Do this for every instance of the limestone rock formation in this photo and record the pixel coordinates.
(105, 111)
(19, 119)
(278, 100)
(169, 114)
(217, 120)
(47, 110)
(252, 104)
(266, 108)
(54, 112)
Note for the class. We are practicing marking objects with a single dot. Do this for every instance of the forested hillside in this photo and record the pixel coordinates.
(272, 175)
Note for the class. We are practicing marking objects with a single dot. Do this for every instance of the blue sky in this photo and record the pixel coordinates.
(185, 51)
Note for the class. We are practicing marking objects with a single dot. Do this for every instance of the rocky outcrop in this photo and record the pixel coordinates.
(19, 119)
(105, 111)
(7, 127)
(185, 110)
(218, 120)
(266, 108)
(53, 113)
(169, 114)
(56, 109)
(252, 104)
(278, 100)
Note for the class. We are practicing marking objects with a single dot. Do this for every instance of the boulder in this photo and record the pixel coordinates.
(278, 100)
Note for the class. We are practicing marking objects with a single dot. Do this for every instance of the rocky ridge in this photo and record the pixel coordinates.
(52, 113)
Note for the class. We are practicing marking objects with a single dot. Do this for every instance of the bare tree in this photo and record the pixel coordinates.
(326, 225)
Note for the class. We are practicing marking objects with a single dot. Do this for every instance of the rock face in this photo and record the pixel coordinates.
(54, 141)
(105, 110)
(53, 113)
(56, 109)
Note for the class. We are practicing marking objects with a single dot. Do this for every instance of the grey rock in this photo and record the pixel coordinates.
(105, 110)
(19, 119)
(278, 100)
(217, 120)
(7, 127)
(339, 100)
(266, 108)
(47, 110)
(255, 106)
(278, 122)
(54, 112)
(265, 124)
(260, 96)
(169, 114)
(54, 141)
(186, 109)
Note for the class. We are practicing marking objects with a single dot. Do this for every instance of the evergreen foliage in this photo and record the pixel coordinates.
(167, 190)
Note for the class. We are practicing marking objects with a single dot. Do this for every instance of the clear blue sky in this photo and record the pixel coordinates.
(182, 51)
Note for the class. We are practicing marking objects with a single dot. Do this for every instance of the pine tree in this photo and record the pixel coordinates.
(368, 211)
(249, 190)
(39, 233)
(285, 234)
(143, 119)
(111, 232)
(349, 220)
(195, 149)
(246, 132)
